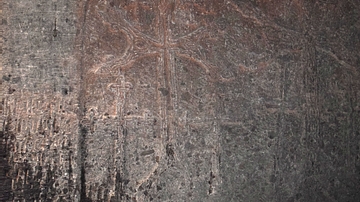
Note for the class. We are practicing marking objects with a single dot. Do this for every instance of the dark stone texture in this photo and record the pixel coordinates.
(178, 100)
(40, 122)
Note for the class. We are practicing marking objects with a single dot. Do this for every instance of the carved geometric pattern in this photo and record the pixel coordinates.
(156, 59)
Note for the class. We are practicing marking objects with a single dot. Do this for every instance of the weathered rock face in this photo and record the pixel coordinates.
(180, 101)
(41, 99)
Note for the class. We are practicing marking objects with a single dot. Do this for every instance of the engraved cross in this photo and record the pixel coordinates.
(120, 88)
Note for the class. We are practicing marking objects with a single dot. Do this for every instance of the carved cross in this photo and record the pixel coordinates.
(120, 88)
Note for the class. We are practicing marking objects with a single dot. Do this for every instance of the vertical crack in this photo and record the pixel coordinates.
(82, 155)
(82, 147)
(211, 180)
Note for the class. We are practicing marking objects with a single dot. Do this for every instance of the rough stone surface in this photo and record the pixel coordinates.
(180, 100)
(40, 84)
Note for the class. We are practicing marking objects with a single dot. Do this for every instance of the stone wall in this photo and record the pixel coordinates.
(178, 100)
(41, 100)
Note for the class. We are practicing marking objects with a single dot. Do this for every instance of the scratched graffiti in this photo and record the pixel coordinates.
(156, 64)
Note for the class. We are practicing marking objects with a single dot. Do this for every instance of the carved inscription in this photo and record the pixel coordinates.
(155, 64)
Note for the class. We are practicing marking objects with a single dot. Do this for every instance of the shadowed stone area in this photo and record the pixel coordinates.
(180, 100)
